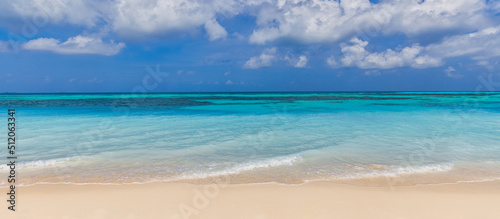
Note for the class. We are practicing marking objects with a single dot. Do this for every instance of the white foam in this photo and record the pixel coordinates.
(392, 171)
(41, 163)
(247, 166)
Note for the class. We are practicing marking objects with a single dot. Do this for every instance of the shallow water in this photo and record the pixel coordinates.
(255, 137)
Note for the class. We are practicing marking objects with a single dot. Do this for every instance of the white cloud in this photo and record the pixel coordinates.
(449, 69)
(495, 5)
(302, 63)
(130, 18)
(152, 17)
(313, 21)
(332, 61)
(306, 21)
(482, 44)
(214, 30)
(156, 17)
(451, 72)
(264, 60)
(309, 21)
(41, 12)
(355, 54)
(229, 82)
(75, 45)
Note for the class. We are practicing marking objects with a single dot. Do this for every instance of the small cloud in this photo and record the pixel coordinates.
(75, 45)
(190, 72)
(449, 69)
(264, 60)
(227, 73)
(451, 72)
(71, 80)
(216, 82)
(180, 72)
(332, 62)
(214, 30)
(229, 82)
(48, 79)
(242, 82)
(302, 63)
(355, 54)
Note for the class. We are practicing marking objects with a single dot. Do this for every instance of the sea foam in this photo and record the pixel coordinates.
(394, 171)
(248, 166)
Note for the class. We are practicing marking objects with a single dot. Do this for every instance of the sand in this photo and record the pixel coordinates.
(308, 200)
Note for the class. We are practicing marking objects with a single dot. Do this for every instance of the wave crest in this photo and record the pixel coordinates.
(247, 166)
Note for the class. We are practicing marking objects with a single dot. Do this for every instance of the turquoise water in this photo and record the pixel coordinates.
(255, 137)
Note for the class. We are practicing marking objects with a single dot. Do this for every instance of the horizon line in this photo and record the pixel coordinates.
(198, 92)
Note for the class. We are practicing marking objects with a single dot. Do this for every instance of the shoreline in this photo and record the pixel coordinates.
(407, 180)
(263, 200)
(374, 182)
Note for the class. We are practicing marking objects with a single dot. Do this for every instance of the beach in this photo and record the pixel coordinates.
(270, 200)
(254, 155)
(304, 109)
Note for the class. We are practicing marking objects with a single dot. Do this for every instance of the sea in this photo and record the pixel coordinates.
(366, 138)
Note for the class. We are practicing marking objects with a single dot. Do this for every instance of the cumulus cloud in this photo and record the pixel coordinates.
(355, 54)
(152, 17)
(138, 17)
(75, 45)
(263, 60)
(305, 21)
(309, 21)
(131, 18)
(214, 30)
(302, 63)
(313, 21)
(482, 44)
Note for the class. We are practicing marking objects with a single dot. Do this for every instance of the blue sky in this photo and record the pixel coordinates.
(257, 45)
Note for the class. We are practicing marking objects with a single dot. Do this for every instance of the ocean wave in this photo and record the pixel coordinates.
(247, 166)
(394, 171)
(41, 163)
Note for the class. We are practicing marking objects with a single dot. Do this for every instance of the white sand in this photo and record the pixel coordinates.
(310, 200)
